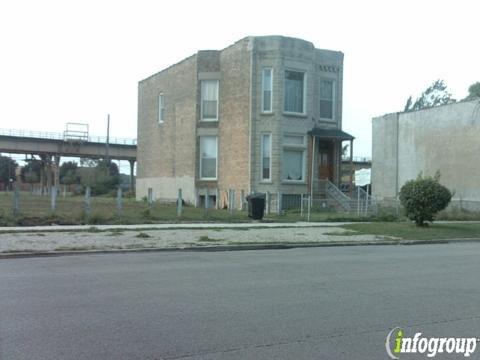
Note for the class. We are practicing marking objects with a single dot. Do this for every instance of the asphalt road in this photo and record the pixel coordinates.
(322, 303)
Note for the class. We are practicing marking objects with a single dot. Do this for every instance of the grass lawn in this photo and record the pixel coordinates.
(35, 210)
(409, 231)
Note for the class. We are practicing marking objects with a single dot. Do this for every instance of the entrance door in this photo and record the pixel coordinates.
(325, 161)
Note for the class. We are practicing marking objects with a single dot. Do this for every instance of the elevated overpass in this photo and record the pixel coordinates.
(51, 146)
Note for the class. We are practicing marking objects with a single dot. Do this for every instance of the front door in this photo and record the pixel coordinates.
(325, 162)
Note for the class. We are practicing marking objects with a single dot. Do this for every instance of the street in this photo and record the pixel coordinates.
(315, 303)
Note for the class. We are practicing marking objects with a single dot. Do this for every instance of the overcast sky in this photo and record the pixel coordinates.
(76, 61)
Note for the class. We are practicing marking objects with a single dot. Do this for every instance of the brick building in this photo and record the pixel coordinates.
(247, 118)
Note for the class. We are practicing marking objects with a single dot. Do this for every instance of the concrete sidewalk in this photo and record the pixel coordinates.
(51, 240)
(177, 236)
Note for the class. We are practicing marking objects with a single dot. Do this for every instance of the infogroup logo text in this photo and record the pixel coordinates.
(396, 344)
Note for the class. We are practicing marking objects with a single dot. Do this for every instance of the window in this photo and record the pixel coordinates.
(293, 167)
(326, 99)
(267, 85)
(161, 108)
(208, 157)
(209, 100)
(266, 149)
(294, 99)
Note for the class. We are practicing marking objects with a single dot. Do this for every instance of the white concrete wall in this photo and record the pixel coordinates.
(444, 138)
(166, 188)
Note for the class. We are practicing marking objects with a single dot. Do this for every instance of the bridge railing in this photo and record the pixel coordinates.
(61, 136)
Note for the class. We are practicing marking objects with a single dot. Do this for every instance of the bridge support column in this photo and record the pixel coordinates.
(43, 159)
(48, 169)
(132, 177)
(56, 171)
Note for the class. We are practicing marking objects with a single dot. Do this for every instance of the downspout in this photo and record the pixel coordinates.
(250, 123)
(313, 165)
(396, 157)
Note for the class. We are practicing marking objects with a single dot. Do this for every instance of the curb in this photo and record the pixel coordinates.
(287, 246)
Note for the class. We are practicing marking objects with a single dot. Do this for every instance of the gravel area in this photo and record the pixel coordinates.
(181, 238)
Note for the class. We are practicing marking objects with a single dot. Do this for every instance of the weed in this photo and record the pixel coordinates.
(143, 235)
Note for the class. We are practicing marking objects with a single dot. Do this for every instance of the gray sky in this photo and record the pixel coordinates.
(76, 61)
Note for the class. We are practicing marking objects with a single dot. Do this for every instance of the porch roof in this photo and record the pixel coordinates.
(330, 134)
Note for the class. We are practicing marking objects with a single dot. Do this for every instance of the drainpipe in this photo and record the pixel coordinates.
(313, 166)
(396, 158)
(250, 124)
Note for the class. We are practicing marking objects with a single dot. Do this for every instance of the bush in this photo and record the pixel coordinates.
(423, 198)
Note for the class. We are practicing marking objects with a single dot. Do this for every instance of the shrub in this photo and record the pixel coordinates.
(423, 198)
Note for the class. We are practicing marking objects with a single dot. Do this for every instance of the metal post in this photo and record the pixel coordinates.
(232, 201)
(119, 199)
(301, 205)
(279, 202)
(87, 206)
(16, 200)
(206, 201)
(53, 198)
(366, 201)
(217, 199)
(150, 197)
(179, 203)
(267, 202)
(309, 208)
(351, 167)
(242, 200)
(358, 201)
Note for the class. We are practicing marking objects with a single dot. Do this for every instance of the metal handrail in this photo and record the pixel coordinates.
(60, 136)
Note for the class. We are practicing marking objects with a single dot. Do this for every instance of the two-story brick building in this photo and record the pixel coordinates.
(248, 117)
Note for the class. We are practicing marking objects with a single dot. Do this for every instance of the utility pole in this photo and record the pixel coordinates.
(108, 139)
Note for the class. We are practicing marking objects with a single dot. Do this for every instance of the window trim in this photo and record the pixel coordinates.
(298, 147)
(201, 99)
(200, 160)
(161, 115)
(334, 99)
(262, 179)
(271, 90)
(304, 105)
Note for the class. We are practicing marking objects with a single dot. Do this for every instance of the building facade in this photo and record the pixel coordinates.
(443, 138)
(264, 114)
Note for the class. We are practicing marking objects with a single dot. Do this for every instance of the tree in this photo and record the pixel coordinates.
(436, 94)
(423, 198)
(68, 173)
(473, 91)
(30, 172)
(7, 170)
(102, 178)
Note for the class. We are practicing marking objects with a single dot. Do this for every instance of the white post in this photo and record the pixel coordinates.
(87, 200)
(150, 197)
(309, 207)
(267, 202)
(366, 201)
(207, 195)
(279, 202)
(242, 199)
(179, 203)
(16, 200)
(53, 198)
(301, 205)
(358, 201)
(119, 199)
